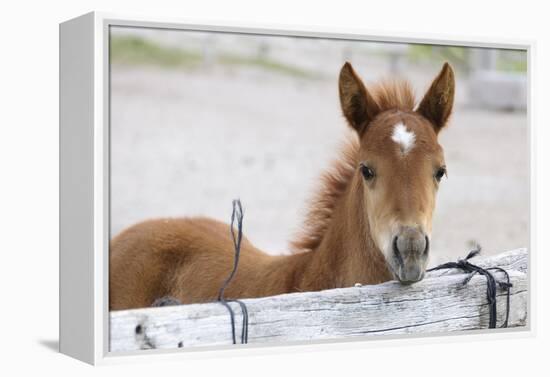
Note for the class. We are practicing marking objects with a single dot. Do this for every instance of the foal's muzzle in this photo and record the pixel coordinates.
(410, 248)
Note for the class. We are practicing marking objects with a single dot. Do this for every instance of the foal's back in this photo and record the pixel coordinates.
(186, 258)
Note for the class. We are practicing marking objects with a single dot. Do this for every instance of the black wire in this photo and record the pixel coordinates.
(492, 283)
(238, 215)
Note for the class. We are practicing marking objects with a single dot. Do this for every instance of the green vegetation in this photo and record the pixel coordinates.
(511, 60)
(139, 51)
(135, 50)
(457, 56)
(460, 57)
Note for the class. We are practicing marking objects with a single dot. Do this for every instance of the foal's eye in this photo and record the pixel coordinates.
(440, 173)
(367, 172)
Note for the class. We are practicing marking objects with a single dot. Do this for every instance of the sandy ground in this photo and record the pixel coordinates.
(187, 143)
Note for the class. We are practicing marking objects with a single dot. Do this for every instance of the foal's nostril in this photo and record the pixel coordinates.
(396, 251)
(427, 248)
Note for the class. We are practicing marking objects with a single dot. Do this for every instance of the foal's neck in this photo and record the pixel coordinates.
(347, 254)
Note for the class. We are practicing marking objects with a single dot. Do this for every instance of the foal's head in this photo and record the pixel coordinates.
(400, 163)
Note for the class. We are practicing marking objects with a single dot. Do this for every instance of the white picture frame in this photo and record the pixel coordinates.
(84, 180)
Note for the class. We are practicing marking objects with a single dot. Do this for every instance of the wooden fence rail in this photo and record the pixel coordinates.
(439, 303)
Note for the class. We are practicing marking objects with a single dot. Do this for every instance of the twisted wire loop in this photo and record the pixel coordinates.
(236, 236)
(492, 283)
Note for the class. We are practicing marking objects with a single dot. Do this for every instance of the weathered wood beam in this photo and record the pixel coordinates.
(439, 303)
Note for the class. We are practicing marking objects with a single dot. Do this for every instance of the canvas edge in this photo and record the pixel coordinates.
(76, 190)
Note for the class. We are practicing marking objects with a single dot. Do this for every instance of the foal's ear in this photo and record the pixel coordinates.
(357, 104)
(437, 103)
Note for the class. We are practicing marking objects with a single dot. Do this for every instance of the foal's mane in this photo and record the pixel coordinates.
(389, 95)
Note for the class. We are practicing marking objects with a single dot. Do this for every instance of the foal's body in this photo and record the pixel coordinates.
(370, 222)
(190, 258)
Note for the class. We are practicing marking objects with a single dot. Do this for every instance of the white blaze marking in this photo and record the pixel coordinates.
(403, 137)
